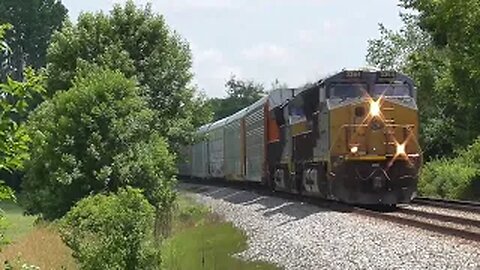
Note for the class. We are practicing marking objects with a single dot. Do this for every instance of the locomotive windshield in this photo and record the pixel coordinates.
(391, 90)
(344, 91)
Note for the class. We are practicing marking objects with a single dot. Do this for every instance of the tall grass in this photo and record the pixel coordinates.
(42, 247)
(18, 224)
(31, 244)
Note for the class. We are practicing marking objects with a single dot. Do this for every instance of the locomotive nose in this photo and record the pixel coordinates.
(371, 182)
(379, 128)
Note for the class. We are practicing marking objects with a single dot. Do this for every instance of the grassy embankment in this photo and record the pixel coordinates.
(201, 240)
(31, 243)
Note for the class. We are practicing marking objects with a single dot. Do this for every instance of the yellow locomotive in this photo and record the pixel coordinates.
(352, 137)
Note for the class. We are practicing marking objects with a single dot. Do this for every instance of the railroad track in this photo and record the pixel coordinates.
(456, 205)
(455, 218)
(455, 224)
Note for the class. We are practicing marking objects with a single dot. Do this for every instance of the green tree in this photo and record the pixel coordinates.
(14, 99)
(34, 21)
(447, 73)
(454, 27)
(411, 51)
(394, 49)
(112, 231)
(95, 137)
(5, 53)
(139, 43)
(240, 94)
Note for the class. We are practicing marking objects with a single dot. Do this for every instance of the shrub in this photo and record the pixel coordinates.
(112, 231)
(448, 178)
(148, 165)
(95, 137)
(471, 155)
(455, 178)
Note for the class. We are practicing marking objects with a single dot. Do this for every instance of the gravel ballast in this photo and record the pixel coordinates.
(296, 235)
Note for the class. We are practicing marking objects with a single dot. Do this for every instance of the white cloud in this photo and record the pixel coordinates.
(328, 31)
(209, 55)
(212, 78)
(331, 27)
(212, 69)
(262, 40)
(199, 4)
(268, 52)
(224, 72)
(307, 36)
(138, 2)
(185, 5)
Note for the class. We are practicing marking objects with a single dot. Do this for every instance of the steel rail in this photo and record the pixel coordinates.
(436, 216)
(390, 216)
(450, 204)
(445, 230)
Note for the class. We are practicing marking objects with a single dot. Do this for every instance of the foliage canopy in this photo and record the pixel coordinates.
(14, 100)
(138, 43)
(34, 21)
(411, 50)
(95, 137)
(438, 47)
(240, 94)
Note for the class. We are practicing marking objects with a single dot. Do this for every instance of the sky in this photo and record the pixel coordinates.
(294, 41)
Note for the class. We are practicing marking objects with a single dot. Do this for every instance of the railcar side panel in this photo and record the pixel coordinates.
(216, 151)
(234, 153)
(199, 156)
(255, 142)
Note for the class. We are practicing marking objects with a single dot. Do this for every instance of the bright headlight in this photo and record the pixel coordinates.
(354, 149)
(401, 149)
(375, 108)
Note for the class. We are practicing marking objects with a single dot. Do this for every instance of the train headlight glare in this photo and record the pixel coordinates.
(375, 108)
(354, 149)
(401, 149)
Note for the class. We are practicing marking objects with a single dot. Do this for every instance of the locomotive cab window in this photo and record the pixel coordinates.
(391, 90)
(344, 90)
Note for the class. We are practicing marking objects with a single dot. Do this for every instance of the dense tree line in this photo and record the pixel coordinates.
(14, 102)
(438, 47)
(33, 24)
(96, 133)
(139, 43)
(240, 94)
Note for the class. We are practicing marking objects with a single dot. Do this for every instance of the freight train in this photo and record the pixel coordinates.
(350, 137)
